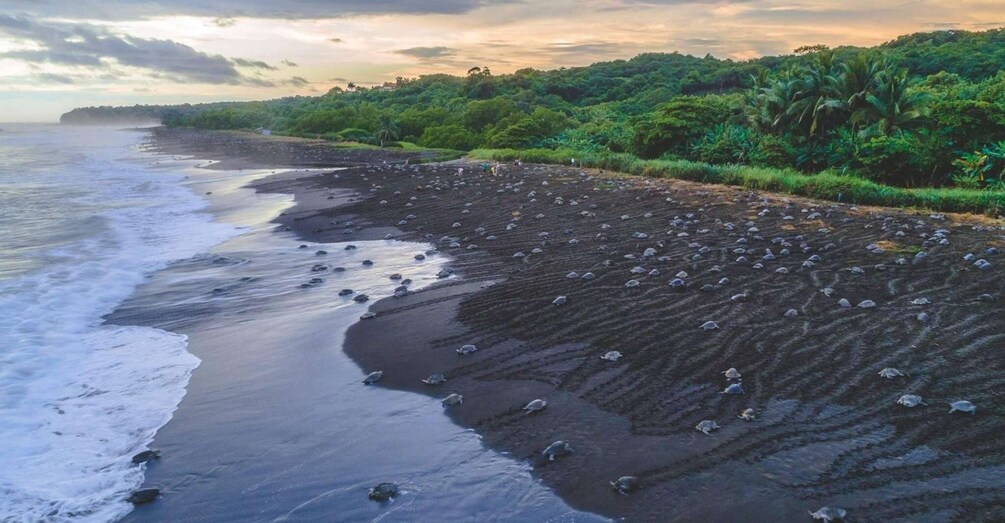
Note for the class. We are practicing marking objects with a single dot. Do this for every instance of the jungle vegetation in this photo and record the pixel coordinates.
(926, 110)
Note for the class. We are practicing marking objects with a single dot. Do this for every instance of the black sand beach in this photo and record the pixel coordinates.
(828, 429)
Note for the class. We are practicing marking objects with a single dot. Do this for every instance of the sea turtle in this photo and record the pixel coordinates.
(890, 373)
(733, 388)
(373, 377)
(383, 492)
(829, 514)
(706, 426)
(866, 304)
(709, 325)
(360, 298)
(557, 449)
(535, 406)
(632, 283)
(146, 456)
(732, 374)
(626, 484)
(747, 415)
(962, 406)
(146, 495)
(611, 356)
(435, 379)
(467, 349)
(369, 315)
(910, 400)
(451, 400)
(560, 300)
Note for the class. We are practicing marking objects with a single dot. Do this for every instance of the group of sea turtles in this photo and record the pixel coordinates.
(627, 484)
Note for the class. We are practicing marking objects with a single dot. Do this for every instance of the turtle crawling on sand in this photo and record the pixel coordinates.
(734, 388)
(732, 373)
(611, 356)
(829, 514)
(467, 349)
(747, 415)
(383, 492)
(435, 379)
(453, 399)
(557, 449)
(910, 400)
(146, 456)
(709, 325)
(890, 373)
(959, 406)
(373, 377)
(706, 426)
(626, 484)
(146, 495)
(535, 406)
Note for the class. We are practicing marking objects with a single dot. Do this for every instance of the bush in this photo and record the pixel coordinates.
(892, 160)
(826, 185)
(448, 137)
(354, 135)
(772, 151)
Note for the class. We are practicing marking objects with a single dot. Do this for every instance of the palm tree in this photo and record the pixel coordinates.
(892, 106)
(858, 76)
(812, 100)
(387, 129)
(769, 101)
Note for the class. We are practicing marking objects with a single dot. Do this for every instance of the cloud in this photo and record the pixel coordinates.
(227, 10)
(254, 64)
(296, 81)
(427, 53)
(224, 22)
(336, 40)
(97, 48)
(288, 63)
(51, 78)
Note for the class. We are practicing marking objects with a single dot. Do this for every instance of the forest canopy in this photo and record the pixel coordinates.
(926, 109)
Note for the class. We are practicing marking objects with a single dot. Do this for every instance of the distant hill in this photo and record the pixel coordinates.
(641, 81)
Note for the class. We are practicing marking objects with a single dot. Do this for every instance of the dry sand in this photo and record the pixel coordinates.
(828, 429)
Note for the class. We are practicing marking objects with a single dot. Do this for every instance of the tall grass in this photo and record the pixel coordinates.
(825, 185)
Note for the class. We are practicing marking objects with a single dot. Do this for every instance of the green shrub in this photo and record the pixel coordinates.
(451, 136)
(826, 185)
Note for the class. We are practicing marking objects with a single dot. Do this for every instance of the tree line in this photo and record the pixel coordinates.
(926, 109)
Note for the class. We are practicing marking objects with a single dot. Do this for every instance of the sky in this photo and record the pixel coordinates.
(59, 54)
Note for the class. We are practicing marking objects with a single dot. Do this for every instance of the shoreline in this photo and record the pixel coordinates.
(288, 401)
(824, 418)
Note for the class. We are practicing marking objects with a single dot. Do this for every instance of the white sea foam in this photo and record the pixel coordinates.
(77, 397)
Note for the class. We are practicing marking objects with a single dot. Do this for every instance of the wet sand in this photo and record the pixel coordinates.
(828, 430)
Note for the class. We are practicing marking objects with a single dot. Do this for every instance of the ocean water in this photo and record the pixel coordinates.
(276, 425)
(83, 220)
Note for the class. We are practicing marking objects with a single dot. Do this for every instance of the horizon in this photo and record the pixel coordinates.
(118, 53)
